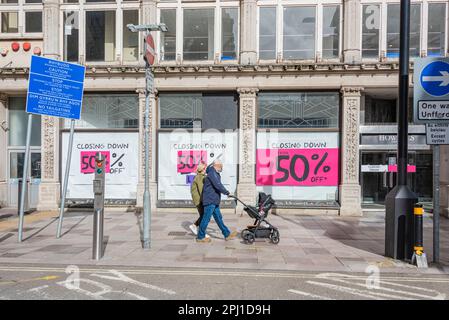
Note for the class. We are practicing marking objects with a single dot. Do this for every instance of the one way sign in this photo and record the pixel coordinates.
(431, 90)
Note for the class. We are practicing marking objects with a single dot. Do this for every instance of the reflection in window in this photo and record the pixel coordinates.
(114, 111)
(298, 110)
(10, 22)
(71, 30)
(199, 110)
(229, 29)
(331, 31)
(100, 35)
(9, 1)
(436, 29)
(33, 21)
(16, 165)
(379, 110)
(18, 120)
(198, 34)
(370, 31)
(130, 39)
(393, 25)
(267, 33)
(168, 39)
(299, 32)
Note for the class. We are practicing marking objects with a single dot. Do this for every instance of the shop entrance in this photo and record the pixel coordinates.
(379, 174)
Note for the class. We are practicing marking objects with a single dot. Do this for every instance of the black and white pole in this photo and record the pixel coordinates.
(25, 176)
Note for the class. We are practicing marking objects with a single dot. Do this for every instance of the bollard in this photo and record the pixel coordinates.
(98, 186)
(97, 251)
(419, 257)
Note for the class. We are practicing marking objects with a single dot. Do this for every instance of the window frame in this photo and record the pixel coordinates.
(21, 7)
(424, 21)
(118, 7)
(179, 6)
(319, 5)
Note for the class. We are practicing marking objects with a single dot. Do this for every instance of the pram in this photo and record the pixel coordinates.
(259, 213)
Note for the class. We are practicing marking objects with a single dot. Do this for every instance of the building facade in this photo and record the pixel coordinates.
(298, 98)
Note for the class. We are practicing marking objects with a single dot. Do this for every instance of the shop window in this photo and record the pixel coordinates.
(331, 32)
(33, 1)
(298, 110)
(33, 21)
(18, 121)
(230, 37)
(380, 110)
(10, 22)
(198, 34)
(393, 20)
(299, 33)
(168, 39)
(130, 39)
(267, 33)
(436, 29)
(198, 110)
(71, 36)
(100, 35)
(370, 31)
(112, 111)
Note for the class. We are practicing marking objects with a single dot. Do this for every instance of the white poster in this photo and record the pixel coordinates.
(298, 166)
(121, 152)
(180, 152)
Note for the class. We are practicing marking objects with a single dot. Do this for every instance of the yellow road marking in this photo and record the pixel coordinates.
(106, 269)
(46, 278)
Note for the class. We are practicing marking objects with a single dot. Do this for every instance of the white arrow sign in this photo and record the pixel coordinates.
(444, 78)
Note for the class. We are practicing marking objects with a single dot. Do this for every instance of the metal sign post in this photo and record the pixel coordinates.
(55, 88)
(66, 178)
(25, 176)
(436, 203)
(99, 187)
(149, 57)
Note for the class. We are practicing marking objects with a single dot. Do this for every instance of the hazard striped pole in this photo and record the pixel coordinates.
(418, 212)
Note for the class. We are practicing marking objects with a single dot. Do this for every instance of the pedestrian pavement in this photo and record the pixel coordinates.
(308, 243)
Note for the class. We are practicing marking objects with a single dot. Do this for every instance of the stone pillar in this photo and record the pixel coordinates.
(3, 147)
(152, 145)
(51, 28)
(444, 181)
(248, 32)
(49, 189)
(349, 190)
(351, 31)
(246, 187)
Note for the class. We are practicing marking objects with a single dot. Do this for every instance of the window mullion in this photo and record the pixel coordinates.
(319, 33)
(424, 28)
(217, 34)
(119, 34)
(383, 31)
(279, 32)
(179, 33)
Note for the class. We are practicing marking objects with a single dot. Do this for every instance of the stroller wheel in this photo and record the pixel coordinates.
(275, 236)
(249, 238)
(243, 233)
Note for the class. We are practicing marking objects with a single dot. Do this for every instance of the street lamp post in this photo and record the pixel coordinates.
(149, 88)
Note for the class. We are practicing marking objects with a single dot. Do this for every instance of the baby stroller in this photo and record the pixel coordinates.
(259, 213)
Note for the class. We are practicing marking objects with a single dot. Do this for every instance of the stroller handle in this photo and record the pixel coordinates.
(234, 197)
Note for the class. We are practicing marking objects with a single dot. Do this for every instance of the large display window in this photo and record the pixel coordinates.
(298, 141)
(195, 127)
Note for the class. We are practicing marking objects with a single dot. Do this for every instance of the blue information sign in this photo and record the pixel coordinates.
(435, 78)
(55, 88)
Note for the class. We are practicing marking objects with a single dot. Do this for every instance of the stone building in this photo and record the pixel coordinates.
(297, 97)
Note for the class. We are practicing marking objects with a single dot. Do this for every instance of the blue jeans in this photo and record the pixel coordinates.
(210, 210)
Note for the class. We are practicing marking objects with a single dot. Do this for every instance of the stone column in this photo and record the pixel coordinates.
(351, 31)
(248, 32)
(349, 190)
(152, 145)
(444, 181)
(3, 147)
(49, 189)
(246, 187)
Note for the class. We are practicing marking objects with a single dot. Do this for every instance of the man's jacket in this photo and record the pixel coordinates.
(213, 188)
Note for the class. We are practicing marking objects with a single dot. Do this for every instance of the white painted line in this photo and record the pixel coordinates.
(38, 288)
(310, 295)
(361, 293)
(121, 277)
(334, 277)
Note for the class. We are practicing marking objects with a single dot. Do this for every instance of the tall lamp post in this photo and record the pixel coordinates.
(399, 202)
(149, 59)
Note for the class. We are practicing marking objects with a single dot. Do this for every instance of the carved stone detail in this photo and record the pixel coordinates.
(48, 147)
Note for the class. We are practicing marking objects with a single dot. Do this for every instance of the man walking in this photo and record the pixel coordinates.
(212, 190)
